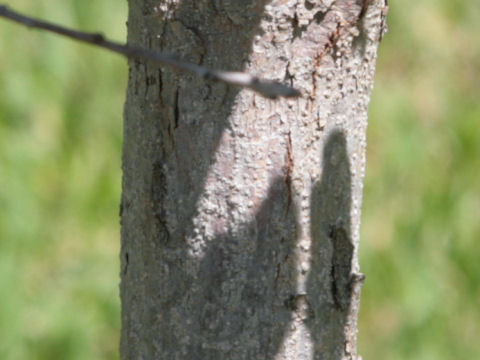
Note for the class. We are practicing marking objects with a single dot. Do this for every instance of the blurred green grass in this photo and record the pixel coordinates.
(421, 215)
(60, 140)
(60, 145)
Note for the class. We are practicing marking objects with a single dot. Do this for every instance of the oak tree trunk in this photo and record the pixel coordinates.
(240, 214)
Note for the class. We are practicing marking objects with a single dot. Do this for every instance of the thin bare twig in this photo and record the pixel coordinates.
(267, 88)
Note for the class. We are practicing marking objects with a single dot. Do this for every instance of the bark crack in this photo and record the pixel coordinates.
(341, 266)
(176, 110)
(289, 171)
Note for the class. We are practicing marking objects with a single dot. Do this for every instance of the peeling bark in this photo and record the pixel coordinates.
(240, 215)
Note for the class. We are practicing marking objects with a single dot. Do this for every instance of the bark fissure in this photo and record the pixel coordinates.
(176, 110)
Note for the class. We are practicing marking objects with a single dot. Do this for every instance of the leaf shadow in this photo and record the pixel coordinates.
(329, 279)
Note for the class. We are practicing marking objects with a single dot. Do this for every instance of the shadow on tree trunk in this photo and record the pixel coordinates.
(329, 281)
(240, 298)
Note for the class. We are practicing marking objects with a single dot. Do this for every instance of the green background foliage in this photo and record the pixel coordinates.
(60, 152)
(420, 245)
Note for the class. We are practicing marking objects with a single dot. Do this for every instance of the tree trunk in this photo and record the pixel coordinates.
(240, 215)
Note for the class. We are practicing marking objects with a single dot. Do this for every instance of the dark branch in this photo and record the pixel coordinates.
(267, 88)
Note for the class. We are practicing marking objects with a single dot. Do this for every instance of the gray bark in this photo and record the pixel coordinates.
(240, 215)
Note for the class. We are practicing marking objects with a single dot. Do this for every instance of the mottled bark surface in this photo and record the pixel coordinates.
(240, 215)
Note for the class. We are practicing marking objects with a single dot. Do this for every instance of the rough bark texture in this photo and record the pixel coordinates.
(240, 215)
